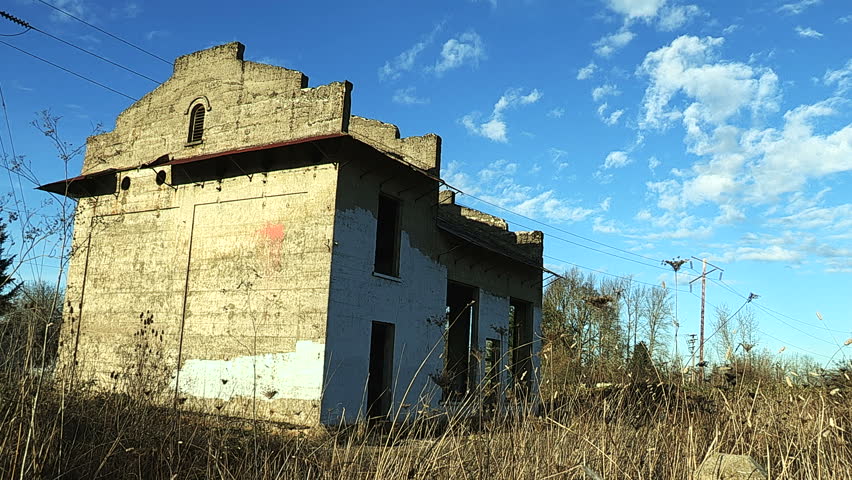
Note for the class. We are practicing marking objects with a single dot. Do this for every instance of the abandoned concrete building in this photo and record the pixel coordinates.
(242, 242)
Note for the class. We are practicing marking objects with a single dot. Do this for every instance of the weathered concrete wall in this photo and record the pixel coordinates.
(423, 152)
(246, 104)
(242, 264)
(255, 291)
(414, 302)
(497, 277)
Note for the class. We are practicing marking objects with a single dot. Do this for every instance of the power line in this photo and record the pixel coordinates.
(770, 311)
(106, 33)
(768, 335)
(87, 52)
(655, 265)
(69, 71)
(626, 277)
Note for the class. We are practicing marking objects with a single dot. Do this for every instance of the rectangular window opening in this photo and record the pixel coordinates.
(387, 237)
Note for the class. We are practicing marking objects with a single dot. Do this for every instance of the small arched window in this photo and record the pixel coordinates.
(196, 124)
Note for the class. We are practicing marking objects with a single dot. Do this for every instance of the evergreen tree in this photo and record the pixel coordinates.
(8, 285)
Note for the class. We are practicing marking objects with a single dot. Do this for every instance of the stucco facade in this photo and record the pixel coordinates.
(292, 262)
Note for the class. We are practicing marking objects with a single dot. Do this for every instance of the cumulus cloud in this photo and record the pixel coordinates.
(466, 49)
(808, 32)
(610, 119)
(495, 128)
(715, 90)
(496, 184)
(408, 96)
(604, 91)
(636, 8)
(653, 163)
(587, 71)
(795, 8)
(609, 44)
(676, 16)
(616, 159)
(840, 78)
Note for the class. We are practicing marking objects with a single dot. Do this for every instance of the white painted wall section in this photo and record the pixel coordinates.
(293, 375)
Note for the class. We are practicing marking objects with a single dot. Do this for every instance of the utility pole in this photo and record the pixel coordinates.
(675, 263)
(691, 343)
(703, 278)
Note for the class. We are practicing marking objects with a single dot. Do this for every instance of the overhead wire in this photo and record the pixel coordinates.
(69, 71)
(106, 32)
(539, 222)
(128, 69)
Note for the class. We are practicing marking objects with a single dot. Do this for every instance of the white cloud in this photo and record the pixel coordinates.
(676, 16)
(610, 119)
(408, 96)
(587, 71)
(616, 159)
(495, 127)
(717, 90)
(846, 19)
(636, 8)
(653, 163)
(837, 218)
(731, 28)
(151, 35)
(74, 7)
(796, 8)
(786, 159)
(558, 112)
(773, 253)
(605, 204)
(841, 78)
(730, 214)
(466, 49)
(609, 44)
(127, 10)
(808, 32)
(605, 226)
(405, 61)
(496, 184)
(604, 91)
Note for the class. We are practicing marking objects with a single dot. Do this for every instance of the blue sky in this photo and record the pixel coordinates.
(662, 128)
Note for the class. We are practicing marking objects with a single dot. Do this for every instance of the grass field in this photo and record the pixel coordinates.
(649, 431)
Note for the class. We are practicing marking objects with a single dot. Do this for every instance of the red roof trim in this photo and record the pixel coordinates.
(198, 158)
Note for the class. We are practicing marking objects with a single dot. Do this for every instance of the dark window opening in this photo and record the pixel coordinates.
(520, 344)
(196, 124)
(379, 395)
(459, 365)
(387, 237)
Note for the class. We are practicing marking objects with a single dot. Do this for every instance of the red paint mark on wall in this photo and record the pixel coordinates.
(273, 232)
(272, 240)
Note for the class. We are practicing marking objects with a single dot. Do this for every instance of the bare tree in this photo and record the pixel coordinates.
(656, 303)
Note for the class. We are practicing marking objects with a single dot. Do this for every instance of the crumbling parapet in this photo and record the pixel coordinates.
(423, 152)
(493, 232)
(246, 104)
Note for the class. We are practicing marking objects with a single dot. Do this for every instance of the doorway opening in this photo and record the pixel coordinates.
(520, 346)
(461, 341)
(379, 395)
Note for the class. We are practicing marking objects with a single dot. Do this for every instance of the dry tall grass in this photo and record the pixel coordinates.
(651, 431)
